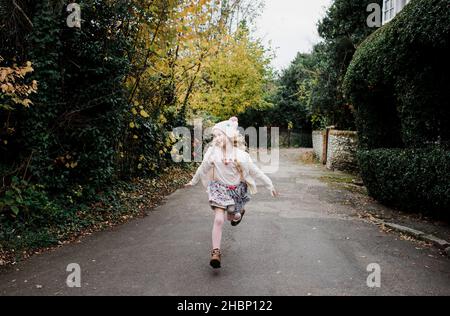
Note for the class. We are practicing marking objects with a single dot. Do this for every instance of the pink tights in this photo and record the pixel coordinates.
(219, 220)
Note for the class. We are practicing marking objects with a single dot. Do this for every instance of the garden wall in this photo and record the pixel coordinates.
(319, 141)
(336, 149)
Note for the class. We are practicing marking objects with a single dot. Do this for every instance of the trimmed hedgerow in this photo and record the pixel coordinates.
(398, 83)
(398, 80)
(410, 179)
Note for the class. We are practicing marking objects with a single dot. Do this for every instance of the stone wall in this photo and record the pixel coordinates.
(318, 138)
(341, 154)
(340, 148)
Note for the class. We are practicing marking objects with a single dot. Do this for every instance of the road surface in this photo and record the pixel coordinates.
(306, 242)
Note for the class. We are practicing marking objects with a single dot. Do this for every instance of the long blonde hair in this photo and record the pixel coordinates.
(238, 142)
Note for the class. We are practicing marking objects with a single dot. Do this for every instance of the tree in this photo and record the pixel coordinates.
(234, 80)
(292, 98)
(343, 29)
(176, 45)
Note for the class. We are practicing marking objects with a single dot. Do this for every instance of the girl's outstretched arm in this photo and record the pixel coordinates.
(204, 168)
(257, 173)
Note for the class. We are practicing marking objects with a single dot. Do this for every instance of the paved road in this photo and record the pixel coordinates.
(307, 242)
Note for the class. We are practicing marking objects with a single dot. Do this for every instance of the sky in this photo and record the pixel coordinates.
(291, 27)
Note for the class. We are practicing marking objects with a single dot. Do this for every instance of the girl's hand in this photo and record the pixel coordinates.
(189, 185)
(274, 193)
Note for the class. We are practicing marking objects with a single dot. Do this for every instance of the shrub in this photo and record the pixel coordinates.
(410, 179)
(398, 85)
(398, 79)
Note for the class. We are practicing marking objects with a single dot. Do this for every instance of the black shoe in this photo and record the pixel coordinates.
(235, 223)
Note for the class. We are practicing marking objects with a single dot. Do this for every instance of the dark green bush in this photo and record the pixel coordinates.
(399, 86)
(64, 146)
(76, 121)
(411, 179)
(398, 80)
(26, 215)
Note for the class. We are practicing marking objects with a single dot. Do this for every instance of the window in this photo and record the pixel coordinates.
(388, 10)
(401, 4)
(391, 8)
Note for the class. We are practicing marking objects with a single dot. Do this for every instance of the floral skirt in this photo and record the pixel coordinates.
(228, 197)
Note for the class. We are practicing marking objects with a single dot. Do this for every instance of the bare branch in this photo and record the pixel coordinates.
(23, 13)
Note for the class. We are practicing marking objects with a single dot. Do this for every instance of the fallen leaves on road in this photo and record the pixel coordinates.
(308, 157)
(406, 237)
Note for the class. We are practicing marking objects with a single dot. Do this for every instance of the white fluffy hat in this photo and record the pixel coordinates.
(229, 128)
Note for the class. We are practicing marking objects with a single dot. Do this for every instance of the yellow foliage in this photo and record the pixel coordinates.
(162, 119)
(144, 114)
(12, 86)
(234, 80)
(187, 58)
(172, 137)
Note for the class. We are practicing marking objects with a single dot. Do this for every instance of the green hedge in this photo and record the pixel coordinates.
(399, 86)
(398, 80)
(411, 179)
